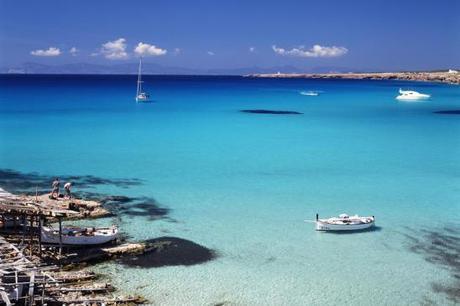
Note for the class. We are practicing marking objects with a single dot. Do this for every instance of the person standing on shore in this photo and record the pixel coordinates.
(67, 188)
(55, 192)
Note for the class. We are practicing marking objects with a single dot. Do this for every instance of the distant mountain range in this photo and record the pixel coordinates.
(150, 68)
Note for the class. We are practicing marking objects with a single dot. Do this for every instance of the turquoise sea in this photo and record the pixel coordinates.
(243, 184)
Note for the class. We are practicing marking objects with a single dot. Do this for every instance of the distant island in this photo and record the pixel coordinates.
(450, 76)
(153, 69)
(326, 72)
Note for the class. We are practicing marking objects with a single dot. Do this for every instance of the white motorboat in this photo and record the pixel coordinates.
(410, 95)
(309, 93)
(344, 223)
(141, 95)
(79, 236)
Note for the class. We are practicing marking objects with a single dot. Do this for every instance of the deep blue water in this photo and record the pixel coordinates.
(242, 184)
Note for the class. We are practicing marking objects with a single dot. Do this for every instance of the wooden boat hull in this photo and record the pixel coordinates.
(323, 226)
(102, 237)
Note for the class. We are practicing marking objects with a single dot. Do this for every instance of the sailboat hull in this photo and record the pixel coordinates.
(142, 100)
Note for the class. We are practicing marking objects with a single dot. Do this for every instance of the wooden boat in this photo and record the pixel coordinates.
(79, 236)
(344, 223)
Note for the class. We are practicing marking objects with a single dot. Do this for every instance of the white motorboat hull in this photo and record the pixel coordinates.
(323, 226)
(101, 236)
(412, 98)
(309, 93)
(410, 95)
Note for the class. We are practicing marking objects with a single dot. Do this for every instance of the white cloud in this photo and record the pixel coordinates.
(73, 51)
(315, 51)
(252, 49)
(211, 53)
(149, 50)
(115, 49)
(52, 51)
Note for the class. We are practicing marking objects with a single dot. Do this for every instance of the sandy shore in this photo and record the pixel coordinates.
(443, 77)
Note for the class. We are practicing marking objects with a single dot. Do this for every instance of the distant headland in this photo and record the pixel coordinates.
(450, 76)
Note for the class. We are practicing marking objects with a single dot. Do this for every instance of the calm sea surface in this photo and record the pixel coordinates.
(243, 184)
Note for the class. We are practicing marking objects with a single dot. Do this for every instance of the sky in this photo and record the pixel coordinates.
(353, 34)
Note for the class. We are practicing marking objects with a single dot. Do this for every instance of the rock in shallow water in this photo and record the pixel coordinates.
(448, 112)
(267, 111)
(440, 246)
(170, 251)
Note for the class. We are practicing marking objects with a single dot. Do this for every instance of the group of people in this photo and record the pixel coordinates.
(56, 186)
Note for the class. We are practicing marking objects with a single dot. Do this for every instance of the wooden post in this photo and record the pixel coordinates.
(60, 234)
(16, 280)
(40, 236)
(24, 221)
(43, 289)
(31, 288)
(5, 298)
(31, 234)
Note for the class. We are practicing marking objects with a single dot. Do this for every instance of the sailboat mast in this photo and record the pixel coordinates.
(139, 78)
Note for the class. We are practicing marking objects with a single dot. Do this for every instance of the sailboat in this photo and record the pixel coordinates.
(141, 95)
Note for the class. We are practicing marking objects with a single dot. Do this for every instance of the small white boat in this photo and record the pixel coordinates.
(79, 236)
(141, 95)
(344, 223)
(309, 93)
(410, 95)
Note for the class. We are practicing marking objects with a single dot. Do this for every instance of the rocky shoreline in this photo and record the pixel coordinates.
(58, 274)
(44, 274)
(441, 76)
